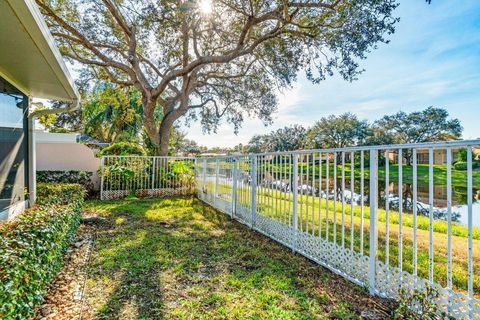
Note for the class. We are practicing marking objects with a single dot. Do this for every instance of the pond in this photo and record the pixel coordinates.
(459, 196)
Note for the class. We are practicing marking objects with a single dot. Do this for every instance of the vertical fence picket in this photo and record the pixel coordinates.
(342, 194)
(320, 196)
(217, 177)
(430, 215)
(362, 200)
(253, 210)
(415, 209)
(352, 184)
(234, 187)
(470, 230)
(372, 271)
(102, 178)
(449, 225)
(295, 201)
(400, 209)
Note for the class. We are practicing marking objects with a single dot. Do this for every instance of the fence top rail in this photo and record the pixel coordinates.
(422, 145)
(150, 157)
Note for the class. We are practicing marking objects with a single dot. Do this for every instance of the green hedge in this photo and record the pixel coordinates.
(59, 194)
(32, 248)
(83, 178)
(462, 166)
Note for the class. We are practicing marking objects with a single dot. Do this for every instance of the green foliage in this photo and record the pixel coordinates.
(32, 247)
(83, 178)
(431, 124)
(123, 149)
(284, 139)
(66, 122)
(136, 174)
(337, 132)
(112, 113)
(423, 300)
(117, 171)
(462, 155)
(232, 73)
(59, 193)
(462, 166)
(180, 145)
(180, 173)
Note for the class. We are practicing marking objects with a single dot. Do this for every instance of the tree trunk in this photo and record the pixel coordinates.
(164, 132)
(149, 121)
(164, 138)
(159, 135)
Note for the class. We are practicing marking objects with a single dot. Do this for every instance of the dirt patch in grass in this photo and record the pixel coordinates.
(180, 259)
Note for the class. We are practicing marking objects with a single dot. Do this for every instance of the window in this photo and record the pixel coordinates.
(13, 147)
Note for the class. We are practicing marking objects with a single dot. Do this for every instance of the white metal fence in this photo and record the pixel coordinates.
(139, 176)
(401, 220)
(374, 215)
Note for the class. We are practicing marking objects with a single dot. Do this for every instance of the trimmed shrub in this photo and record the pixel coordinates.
(59, 194)
(123, 149)
(462, 166)
(83, 178)
(32, 248)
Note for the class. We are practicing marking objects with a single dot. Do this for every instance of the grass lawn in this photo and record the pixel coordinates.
(459, 177)
(180, 259)
(279, 205)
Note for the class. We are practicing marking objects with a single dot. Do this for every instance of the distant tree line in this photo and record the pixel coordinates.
(113, 115)
(429, 125)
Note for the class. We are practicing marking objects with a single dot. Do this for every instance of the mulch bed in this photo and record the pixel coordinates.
(65, 299)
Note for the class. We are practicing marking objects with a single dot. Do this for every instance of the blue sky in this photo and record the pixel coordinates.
(433, 59)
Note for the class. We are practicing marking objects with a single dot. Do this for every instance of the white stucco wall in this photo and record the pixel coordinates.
(49, 137)
(67, 156)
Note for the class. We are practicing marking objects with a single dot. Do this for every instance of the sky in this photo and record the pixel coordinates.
(433, 59)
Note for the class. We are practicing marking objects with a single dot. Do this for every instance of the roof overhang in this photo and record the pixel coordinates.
(29, 58)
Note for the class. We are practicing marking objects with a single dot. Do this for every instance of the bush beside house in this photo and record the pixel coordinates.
(83, 178)
(123, 149)
(32, 247)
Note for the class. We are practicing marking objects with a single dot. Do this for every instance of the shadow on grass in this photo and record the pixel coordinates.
(179, 258)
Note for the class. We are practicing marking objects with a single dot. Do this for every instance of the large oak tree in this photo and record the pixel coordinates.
(209, 59)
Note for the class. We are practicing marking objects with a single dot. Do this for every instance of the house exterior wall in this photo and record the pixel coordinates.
(57, 156)
(439, 156)
(52, 137)
(13, 150)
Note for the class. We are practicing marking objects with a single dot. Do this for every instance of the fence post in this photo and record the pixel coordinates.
(215, 190)
(102, 161)
(254, 190)
(372, 272)
(154, 164)
(204, 173)
(295, 201)
(234, 188)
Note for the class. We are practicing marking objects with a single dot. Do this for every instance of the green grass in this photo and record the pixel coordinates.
(180, 259)
(274, 204)
(459, 178)
(423, 222)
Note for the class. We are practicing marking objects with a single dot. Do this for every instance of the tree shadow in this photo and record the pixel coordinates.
(192, 258)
